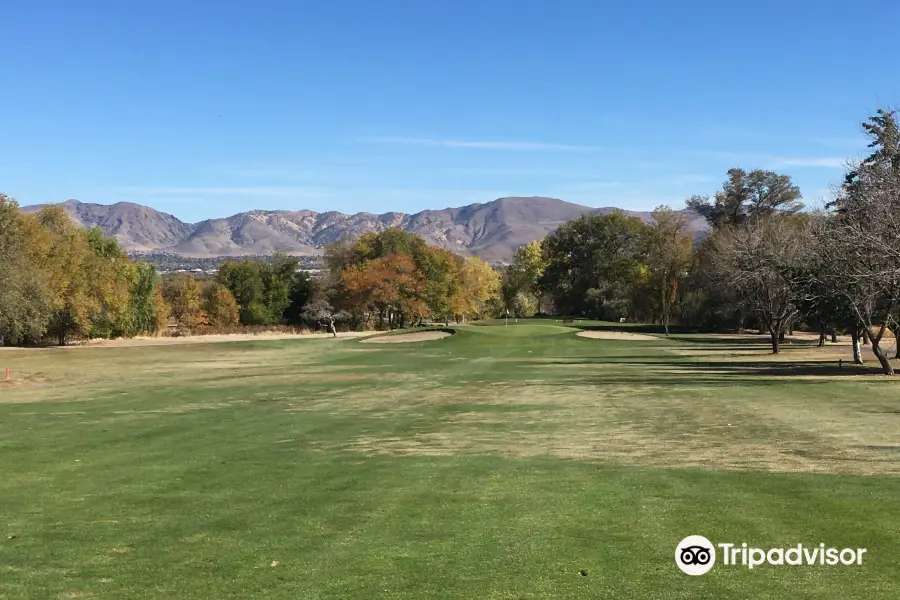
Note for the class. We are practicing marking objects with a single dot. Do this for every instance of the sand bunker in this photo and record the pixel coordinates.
(420, 336)
(615, 335)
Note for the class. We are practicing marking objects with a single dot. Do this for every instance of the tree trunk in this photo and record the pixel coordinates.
(822, 335)
(857, 351)
(877, 350)
(776, 341)
(666, 324)
(781, 335)
(896, 341)
(882, 358)
(865, 337)
(833, 336)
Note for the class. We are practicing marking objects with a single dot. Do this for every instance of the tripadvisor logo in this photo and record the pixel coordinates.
(696, 555)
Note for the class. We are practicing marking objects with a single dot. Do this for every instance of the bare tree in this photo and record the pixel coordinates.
(864, 268)
(759, 264)
(859, 243)
(319, 311)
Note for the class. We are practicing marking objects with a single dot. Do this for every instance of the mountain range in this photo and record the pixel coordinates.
(492, 230)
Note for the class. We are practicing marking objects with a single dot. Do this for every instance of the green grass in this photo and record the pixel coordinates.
(496, 463)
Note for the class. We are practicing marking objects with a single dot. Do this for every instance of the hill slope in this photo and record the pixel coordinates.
(492, 230)
(136, 227)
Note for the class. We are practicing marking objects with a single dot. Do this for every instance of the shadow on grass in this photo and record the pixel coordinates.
(637, 381)
(726, 380)
(775, 368)
(736, 340)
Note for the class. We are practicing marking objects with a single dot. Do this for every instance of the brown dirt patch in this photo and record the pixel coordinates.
(420, 336)
(615, 335)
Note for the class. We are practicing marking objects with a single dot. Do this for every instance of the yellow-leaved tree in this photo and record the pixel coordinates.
(221, 307)
(84, 273)
(479, 289)
(185, 301)
(161, 311)
(24, 301)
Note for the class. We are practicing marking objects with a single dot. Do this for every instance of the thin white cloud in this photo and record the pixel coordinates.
(628, 199)
(731, 133)
(770, 161)
(517, 171)
(478, 144)
(689, 179)
(412, 193)
(829, 162)
(270, 172)
(254, 191)
(652, 164)
(592, 185)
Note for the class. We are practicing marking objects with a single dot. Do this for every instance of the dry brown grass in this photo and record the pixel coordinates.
(698, 428)
(199, 338)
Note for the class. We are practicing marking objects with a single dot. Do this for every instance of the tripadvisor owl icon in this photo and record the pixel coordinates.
(695, 555)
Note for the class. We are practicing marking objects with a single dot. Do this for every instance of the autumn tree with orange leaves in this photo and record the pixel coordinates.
(393, 279)
(389, 290)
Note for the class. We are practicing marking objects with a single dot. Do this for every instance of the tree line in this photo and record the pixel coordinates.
(767, 262)
(605, 267)
(64, 282)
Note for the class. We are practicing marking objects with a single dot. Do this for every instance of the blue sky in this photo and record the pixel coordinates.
(203, 109)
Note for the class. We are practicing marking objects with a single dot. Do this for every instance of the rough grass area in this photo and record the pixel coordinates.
(496, 463)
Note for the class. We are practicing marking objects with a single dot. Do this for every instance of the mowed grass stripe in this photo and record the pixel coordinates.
(496, 463)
